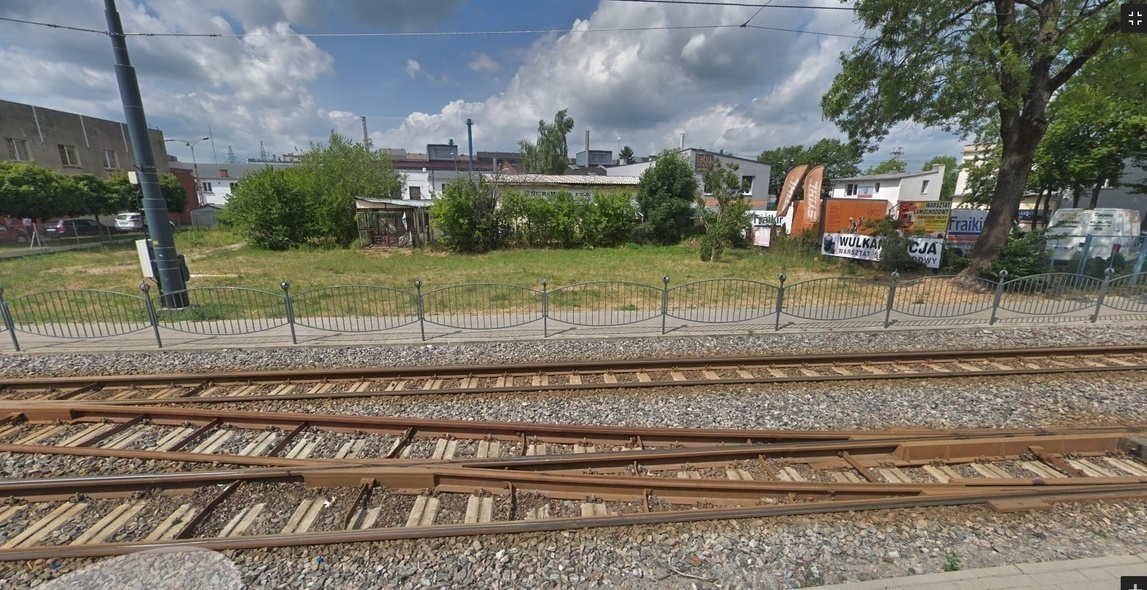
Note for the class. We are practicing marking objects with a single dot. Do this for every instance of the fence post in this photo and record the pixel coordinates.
(8, 323)
(780, 301)
(545, 309)
(421, 315)
(891, 299)
(1084, 255)
(1139, 260)
(290, 309)
(1102, 293)
(664, 301)
(999, 294)
(151, 315)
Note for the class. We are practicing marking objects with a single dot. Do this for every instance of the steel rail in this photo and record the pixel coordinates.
(898, 451)
(796, 364)
(508, 431)
(1029, 495)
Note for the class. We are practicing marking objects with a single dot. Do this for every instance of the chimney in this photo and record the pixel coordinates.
(682, 142)
(587, 148)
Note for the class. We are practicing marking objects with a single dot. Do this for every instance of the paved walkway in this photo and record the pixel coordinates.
(1100, 573)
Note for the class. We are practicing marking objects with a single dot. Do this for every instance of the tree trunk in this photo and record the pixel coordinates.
(1095, 193)
(1075, 192)
(1020, 136)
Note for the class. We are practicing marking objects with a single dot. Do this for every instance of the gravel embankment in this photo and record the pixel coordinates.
(785, 552)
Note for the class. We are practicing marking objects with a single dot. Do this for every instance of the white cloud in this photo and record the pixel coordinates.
(484, 63)
(414, 69)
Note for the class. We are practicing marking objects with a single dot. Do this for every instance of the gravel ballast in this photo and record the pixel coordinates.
(785, 552)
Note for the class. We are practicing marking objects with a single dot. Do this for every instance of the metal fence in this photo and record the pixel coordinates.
(221, 311)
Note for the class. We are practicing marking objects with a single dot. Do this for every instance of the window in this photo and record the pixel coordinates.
(18, 150)
(111, 160)
(443, 187)
(415, 192)
(924, 188)
(69, 156)
(207, 187)
(746, 184)
(851, 189)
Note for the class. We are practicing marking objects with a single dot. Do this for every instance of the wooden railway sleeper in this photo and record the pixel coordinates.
(294, 433)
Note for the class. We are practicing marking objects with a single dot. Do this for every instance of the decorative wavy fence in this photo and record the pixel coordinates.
(604, 305)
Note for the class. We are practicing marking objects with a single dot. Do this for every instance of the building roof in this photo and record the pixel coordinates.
(370, 203)
(890, 176)
(559, 179)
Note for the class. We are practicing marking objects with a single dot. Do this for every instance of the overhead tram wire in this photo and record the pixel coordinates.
(739, 4)
(438, 33)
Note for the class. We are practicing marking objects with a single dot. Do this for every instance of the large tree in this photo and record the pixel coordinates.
(36, 192)
(665, 197)
(550, 155)
(840, 160)
(963, 64)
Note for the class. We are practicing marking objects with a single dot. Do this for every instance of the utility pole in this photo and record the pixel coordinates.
(172, 288)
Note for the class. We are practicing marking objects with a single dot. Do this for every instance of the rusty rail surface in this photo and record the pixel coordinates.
(579, 375)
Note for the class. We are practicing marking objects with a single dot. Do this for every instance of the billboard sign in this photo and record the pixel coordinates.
(928, 217)
(858, 247)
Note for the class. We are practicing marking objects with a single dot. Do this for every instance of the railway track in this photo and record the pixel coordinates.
(273, 439)
(327, 502)
(405, 381)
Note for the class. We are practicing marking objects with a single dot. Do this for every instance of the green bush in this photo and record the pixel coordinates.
(609, 220)
(665, 198)
(1022, 256)
(467, 214)
(268, 210)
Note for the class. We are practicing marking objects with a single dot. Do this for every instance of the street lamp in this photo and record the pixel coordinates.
(194, 165)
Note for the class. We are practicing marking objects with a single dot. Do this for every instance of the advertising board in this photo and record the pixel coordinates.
(929, 217)
(848, 216)
(859, 247)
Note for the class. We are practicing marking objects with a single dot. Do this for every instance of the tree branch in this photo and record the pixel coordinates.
(1081, 58)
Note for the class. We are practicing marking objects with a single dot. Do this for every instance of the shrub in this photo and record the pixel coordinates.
(665, 198)
(268, 210)
(467, 214)
(1022, 256)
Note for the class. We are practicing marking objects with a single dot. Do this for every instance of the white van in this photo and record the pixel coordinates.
(1112, 231)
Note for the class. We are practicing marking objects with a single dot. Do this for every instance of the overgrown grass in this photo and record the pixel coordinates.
(218, 258)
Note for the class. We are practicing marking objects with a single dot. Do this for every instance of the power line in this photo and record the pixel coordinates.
(439, 33)
(738, 4)
(52, 25)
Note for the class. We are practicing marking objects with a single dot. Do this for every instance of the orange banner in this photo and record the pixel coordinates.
(849, 216)
(792, 181)
(809, 213)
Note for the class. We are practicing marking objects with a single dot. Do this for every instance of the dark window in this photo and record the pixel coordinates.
(17, 150)
(69, 156)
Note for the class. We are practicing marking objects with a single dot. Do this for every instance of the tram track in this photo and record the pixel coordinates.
(260, 386)
(323, 503)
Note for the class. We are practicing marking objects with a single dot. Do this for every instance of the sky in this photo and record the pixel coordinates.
(289, 72)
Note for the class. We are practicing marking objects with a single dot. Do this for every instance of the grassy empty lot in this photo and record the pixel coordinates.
(218, 258)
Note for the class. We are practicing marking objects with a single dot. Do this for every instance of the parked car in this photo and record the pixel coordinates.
(69, 228)
(129, 222)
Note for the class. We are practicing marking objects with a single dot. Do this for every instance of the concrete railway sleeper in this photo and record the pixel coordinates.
(449, 380)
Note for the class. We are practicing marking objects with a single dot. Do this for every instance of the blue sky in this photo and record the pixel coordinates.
(287, 72)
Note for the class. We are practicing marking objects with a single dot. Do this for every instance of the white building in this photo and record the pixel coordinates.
(754, 174)
(216, 182)
(892, 188)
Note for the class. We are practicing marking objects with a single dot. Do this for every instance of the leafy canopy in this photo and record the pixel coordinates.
(968, 66)
(840, 160)
(550, 155)
(665, 198)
